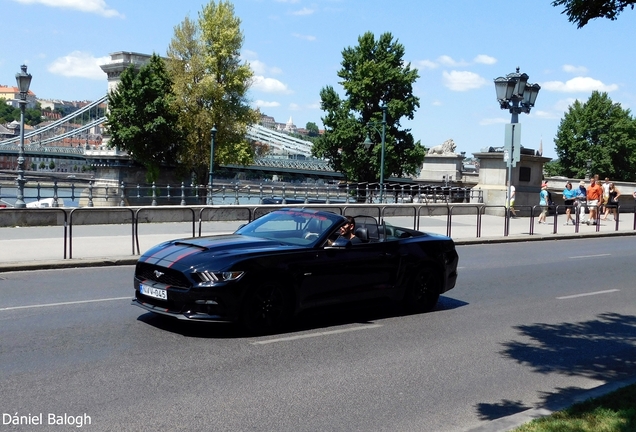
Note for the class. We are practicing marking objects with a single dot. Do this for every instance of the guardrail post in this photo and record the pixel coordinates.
(284, 201)
(236, 194)
(168, 192)
(183, 196)
(327, 199)
(154, 194)
(122, 195)
(306, 195)
(90, 193)
(55, 197)
(260, 193)
(38, 191)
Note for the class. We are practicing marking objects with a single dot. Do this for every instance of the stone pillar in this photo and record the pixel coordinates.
(526, 178)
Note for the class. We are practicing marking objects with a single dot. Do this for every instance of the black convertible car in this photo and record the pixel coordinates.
(290, 260)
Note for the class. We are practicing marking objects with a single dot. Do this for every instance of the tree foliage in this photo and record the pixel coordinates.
(373, 73)
(141, 117)
(211, 83)
(312, 129)
(32, 116)
(581, 12)
(600, 131)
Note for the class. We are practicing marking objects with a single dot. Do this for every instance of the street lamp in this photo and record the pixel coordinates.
(211, 177)
(516, 95)
(24, 81)
(368, 143)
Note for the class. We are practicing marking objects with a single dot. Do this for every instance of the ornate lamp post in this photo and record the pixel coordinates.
(211, 177)
(24, 81)
(368, 143)
(516, 95)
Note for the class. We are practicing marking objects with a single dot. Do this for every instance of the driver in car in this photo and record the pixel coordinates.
(348, 230)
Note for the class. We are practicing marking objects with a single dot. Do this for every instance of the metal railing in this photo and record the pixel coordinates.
(113, 194)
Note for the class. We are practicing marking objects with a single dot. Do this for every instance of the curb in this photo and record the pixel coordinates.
(513, 421)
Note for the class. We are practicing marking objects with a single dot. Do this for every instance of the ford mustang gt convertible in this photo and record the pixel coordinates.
(290, 260)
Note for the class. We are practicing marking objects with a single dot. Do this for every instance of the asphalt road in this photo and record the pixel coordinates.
(529, 325)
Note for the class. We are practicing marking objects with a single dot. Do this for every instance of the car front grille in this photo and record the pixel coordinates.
(145, 271)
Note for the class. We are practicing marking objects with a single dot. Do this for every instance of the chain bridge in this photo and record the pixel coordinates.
(79, 136)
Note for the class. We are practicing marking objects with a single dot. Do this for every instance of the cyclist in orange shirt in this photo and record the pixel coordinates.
(594, 197)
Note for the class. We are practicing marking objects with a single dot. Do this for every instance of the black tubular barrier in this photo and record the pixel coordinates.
(402, 206)
(478, 213)
(155, 209)
(99, 210)
(214, 209)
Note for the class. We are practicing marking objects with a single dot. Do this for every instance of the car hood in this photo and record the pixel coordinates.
(223, 249)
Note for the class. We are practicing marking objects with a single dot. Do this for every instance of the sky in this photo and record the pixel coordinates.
(295, 49)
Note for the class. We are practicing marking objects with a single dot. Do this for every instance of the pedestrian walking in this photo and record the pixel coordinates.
(543, 202)
(511, 201)
(612, 202)
(594, 197)
(581, 199)
(569, 198)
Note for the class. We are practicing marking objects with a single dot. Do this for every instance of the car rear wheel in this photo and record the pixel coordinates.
(423, 290)
(266, 309)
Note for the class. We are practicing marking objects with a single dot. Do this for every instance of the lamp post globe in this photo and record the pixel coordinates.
(23, 79)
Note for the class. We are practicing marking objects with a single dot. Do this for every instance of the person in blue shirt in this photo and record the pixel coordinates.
(581, 199)
(569, 197)
(543, 202)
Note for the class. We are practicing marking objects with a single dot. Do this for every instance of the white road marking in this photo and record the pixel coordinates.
(317, 334)
(590, 256)
(64, 303)
(587, 294)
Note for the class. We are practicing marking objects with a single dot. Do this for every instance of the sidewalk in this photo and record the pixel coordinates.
(27, 248)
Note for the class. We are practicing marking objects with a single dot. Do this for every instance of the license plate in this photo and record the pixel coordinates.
(153, 292)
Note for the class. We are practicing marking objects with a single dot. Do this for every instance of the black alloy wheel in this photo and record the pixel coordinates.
(266, 309)
(423, 290)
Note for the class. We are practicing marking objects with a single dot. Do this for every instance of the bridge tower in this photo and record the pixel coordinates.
(119, 62)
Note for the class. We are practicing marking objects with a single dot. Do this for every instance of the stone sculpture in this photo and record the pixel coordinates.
(447, 148)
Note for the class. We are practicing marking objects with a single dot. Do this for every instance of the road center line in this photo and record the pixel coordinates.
(587, 294)
(590, 256)
(64, 303)
(317, 334)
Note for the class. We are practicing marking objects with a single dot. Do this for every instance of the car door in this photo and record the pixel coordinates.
(362, 271)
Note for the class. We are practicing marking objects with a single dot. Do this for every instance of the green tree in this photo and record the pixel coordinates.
(211, 83)
(600, 131)
(373, 73)
(312, 129)
(142, 119)
(581, 12)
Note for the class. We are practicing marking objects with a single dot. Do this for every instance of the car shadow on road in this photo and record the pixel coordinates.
(312, 319)
(600, 349)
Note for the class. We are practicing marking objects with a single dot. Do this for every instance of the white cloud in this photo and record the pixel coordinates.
(426, 64)
(462, 80)
(448, 61)
(269, 85)
(261, 68)
(98, 7)
(79, 64)
(578, 84)
(437, 103)
(303, 12)
(563, 104)
(265, 104)
(485, 59)
(305, 37)
(580, 70)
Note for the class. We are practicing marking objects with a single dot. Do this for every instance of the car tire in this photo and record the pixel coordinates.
(423, 290)
(266, 309)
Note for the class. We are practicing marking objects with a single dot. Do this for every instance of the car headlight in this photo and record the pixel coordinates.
(208, 278)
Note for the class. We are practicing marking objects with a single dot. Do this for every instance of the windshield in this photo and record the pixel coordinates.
(299, 227)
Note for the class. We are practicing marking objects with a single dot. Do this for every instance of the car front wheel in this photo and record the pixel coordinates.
(266, 309)
(423, 290)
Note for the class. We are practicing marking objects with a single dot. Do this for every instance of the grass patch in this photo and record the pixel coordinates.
(614, 412)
